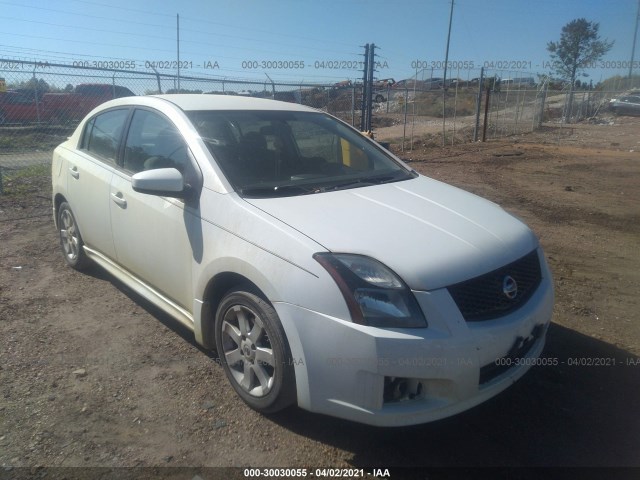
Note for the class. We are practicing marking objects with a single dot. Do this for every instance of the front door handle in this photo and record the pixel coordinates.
(119, 200)
(74, 172)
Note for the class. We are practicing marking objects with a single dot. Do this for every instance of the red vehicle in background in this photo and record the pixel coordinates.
(72, 107)
(21, 106)
(26, 105)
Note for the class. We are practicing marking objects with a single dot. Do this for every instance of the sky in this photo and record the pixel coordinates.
(310, 41)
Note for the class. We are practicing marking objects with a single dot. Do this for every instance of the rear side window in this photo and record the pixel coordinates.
(103, 133)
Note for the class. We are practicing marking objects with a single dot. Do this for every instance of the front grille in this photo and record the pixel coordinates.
(484, 298)
(513, 358)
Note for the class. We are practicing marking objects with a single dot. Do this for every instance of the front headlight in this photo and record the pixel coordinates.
(375, 295)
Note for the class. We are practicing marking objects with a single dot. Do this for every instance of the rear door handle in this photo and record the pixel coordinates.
(119, 200)
(74, 172)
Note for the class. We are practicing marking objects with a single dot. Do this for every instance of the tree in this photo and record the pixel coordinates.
(579, 48)
(32, 84)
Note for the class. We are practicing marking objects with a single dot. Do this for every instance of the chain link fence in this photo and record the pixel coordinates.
(440, 108)
(42, 103)
(475, 105)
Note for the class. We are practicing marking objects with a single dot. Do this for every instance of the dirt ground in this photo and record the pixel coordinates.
(91, 375)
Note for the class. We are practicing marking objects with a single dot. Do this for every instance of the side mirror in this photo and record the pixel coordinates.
(166, 182)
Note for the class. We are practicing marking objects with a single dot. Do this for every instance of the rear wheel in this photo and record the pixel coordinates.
(70, 239)
(254, 351)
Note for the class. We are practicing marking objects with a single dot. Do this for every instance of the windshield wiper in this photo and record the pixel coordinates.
(292, 189)
(365, 182)
(289, 190)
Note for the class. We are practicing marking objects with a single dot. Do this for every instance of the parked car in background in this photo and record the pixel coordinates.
(382, 89)
(20, 106)
(433, 83)
(324, 271)
(625, 105)
(73, 106)
(518, 82)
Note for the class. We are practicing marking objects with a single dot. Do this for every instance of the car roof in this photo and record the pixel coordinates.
(194, 102)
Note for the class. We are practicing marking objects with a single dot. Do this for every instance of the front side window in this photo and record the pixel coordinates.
(103, 133)
(154, 142)
(279, 153)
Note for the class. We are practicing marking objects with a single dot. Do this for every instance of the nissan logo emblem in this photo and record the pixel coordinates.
(509, 287)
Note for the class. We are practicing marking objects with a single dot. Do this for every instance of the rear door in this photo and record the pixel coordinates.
(89, 171)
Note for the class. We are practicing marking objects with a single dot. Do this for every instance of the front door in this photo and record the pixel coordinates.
(149, 231)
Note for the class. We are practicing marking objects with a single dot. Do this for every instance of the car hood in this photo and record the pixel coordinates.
(430, 233)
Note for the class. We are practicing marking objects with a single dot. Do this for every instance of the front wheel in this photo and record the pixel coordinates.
(254, 352)
(70, 239)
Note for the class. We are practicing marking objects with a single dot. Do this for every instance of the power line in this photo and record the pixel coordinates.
(29, 54)
(93, 29)
(324, 41)
(167, 50)
(308, 51)
(86, 42)
(120, 20)
(128, 9)
(306, 54)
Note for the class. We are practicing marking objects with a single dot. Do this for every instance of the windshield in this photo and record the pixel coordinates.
(278, 153)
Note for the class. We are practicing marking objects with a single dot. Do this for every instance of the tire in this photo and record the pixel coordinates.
(70, 239)
(254, 352)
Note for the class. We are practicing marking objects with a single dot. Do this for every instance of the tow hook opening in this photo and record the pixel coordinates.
(397, 389)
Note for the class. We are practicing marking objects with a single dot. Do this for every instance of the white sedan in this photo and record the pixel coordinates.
(323, 270)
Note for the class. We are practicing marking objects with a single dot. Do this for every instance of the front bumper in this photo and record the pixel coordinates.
(410, 376)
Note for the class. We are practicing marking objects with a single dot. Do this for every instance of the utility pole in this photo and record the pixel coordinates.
(635, 37)
(444, 80)
(478, 103)
(367, 87)
(178, 38)
(372, 62)
(365, 77)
